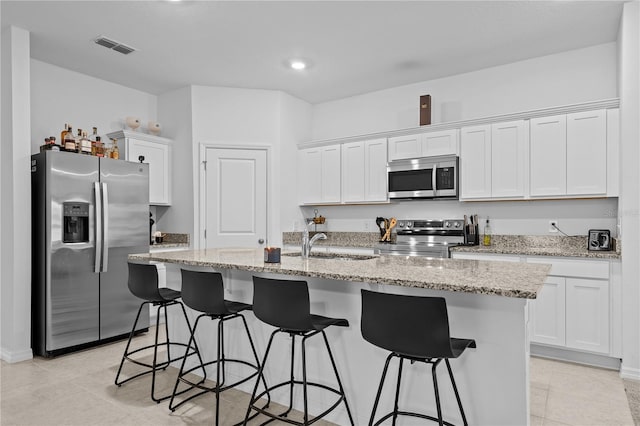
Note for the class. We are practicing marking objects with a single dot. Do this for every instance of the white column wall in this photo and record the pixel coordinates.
(15, 270)
(629, 84)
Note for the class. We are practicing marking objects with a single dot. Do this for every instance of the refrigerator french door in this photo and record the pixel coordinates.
(89, 214)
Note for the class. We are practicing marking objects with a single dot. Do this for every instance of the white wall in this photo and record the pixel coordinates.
(174, 113)
(574, 217)
(565, 78)
(60, 96)
(629, 41)
(15, 192)
(250, 117)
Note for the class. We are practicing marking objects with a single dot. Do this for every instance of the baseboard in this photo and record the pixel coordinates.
(562, 354)
(629, 373)
(15, 356)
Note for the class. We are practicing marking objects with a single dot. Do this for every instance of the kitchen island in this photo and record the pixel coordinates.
(486, 301)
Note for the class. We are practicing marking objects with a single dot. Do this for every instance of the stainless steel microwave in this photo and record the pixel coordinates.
(426, 177)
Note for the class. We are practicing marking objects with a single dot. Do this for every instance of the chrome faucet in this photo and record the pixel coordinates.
(308, 243)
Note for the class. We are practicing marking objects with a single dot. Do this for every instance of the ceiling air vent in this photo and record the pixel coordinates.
(114, 45)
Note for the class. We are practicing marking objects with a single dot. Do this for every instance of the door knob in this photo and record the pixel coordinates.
(260, 241)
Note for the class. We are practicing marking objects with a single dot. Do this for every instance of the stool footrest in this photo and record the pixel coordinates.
(214, 389)
(295, 382)
(407, 413)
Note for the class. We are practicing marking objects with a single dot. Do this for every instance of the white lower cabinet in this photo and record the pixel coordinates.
(587, 315)
(573, 309)
(547, 313)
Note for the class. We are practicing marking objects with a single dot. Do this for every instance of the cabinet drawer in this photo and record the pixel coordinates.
(575, 267)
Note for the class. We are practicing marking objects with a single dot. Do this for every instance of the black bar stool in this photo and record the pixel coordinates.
(204, 292)
(416, 329)
(143, 283)
(285, 304)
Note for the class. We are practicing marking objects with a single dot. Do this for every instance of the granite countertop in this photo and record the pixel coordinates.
(540, 245)
(518, 280)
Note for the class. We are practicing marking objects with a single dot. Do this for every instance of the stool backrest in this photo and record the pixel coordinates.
(203, 291)
(415, 326)
(282, 303)
(143, 281)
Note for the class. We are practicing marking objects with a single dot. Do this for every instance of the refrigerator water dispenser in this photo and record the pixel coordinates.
(76, 223)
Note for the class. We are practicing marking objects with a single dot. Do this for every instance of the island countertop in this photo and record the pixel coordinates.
(518, 280)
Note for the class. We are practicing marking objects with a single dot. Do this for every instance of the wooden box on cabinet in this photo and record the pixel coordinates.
(157, 153)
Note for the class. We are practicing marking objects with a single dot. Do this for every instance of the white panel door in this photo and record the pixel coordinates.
(353, 172)
(375, 160)
(588, 314)
(587, 153)
(508, 156)
(547, 313)
(236, 197)
(475, 162)
(548, 160)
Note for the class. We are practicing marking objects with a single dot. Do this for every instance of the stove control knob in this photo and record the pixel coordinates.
(447, 224)
(456, 224)
(409, 224)
(400, 224)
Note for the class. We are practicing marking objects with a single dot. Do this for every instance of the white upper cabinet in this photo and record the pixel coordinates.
(319, 175)
(353, 172)
(548, 159)
(157, 153)
(509, 142)
(493, 160)
(443, 142)
(574, 155)
(587, 153)
(475, 162)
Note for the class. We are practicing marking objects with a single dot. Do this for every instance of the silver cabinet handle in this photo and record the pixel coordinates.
(434, 180)
(260, 241)
(98, 227)
(105, 231)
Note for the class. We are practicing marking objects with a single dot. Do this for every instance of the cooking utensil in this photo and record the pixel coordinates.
(391, 225)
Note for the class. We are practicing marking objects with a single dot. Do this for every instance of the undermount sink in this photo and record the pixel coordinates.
(334, 256)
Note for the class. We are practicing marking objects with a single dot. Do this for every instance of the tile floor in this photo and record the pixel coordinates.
(78, 389)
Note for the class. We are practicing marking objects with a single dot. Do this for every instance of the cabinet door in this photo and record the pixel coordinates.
(475, 162)
(157, 156)
(588, 314)
(404, 147)
(309, 175)
(330, 176)
(548, 161)
(439, 143)
(353, 172)
(547, 313)
(375, 160)
(587, 153)
(508, 156)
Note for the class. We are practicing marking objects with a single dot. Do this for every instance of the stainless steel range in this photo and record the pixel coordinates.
(425, 237)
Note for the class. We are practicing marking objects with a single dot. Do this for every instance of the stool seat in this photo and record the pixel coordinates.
(285, 305)
(168, 294)
(415, 328)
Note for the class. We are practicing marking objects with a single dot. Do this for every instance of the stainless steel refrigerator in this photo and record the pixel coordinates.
(88, 215)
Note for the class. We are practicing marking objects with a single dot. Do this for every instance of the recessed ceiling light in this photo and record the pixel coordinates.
(297, 65)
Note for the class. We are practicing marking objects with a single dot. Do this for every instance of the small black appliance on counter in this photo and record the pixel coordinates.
(599, 240)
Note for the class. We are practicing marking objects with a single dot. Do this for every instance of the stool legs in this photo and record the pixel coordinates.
(291, 382)
(396, 412)
(154, 366)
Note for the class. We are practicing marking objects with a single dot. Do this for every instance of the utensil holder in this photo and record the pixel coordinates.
(471, 235)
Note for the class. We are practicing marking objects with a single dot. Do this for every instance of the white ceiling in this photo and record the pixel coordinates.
(354, 46)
